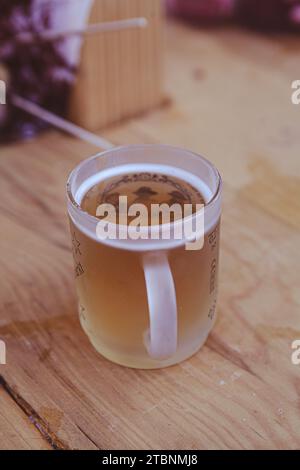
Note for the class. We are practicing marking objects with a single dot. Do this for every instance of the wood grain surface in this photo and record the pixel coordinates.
(229, 100)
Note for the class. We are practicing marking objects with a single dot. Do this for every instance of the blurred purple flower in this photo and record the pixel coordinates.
(202, 9)
(32, 69)
(262, 14)
(268, 14)
(295, 14)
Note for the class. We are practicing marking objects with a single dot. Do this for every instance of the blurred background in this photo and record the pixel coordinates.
(96, 78)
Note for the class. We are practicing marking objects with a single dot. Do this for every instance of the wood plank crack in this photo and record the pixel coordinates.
(40, 424)
(216, 345)
(88, 437)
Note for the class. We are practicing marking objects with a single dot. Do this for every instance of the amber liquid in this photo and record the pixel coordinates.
(113, 304)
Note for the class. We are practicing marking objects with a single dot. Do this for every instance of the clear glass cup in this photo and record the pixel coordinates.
(146, 303)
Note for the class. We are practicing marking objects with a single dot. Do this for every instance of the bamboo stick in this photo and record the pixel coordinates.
(60, 123)
(108, 26)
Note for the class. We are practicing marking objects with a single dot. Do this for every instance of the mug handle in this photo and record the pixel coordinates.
(161, 338)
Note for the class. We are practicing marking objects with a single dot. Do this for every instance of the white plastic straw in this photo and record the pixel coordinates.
(60, 123)
(50, 35)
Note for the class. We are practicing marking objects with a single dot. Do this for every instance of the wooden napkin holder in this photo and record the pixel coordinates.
(120, 74)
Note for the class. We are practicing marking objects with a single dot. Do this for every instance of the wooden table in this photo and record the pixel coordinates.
(230, 100)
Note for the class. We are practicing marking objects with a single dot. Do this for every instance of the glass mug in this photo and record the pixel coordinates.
(145, 303)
